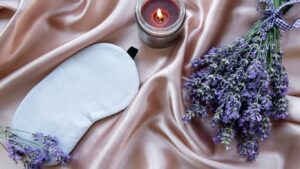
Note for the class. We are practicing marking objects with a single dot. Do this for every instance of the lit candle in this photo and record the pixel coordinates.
(160, 22)
(160, 18)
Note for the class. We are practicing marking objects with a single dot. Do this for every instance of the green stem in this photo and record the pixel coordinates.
(20, 131)
(6, 133)
(28, 142)
(2, 145)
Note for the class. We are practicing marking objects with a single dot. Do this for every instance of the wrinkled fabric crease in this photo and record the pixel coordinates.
(38, 35)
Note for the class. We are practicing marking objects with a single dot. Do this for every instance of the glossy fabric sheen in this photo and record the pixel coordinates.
(36, 36)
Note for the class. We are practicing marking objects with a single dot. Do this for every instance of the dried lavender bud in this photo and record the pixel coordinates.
(243, 85)
(249, 149)
(34, 153)
(224, 136)
(51, 147)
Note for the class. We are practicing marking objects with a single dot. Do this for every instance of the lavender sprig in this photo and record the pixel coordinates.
(34, 153)
(244, 85)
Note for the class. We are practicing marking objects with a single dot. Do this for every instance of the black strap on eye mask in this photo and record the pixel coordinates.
(132, 51)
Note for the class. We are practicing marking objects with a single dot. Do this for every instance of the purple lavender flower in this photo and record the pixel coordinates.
(224, 136)
(280, 109)
(264, 35)
(51, 147)
(252, 116)
(264, 129)
(254, 69)
(232, 108)
(15, 153)
(28, 154)
(243, 85)
(249, 149)
(34, 153)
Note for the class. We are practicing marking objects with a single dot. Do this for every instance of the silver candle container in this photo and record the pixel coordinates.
(160, 37)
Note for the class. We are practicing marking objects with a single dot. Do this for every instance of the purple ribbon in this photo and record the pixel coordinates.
(274, 16)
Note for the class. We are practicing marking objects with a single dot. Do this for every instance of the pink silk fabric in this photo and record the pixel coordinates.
(36, 36)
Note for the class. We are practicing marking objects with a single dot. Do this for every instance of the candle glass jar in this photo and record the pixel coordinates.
(156, 35)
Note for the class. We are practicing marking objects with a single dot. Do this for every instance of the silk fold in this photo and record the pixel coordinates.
(37, 35)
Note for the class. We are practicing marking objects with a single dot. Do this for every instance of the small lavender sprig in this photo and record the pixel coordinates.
(34, 153)
(244, 85)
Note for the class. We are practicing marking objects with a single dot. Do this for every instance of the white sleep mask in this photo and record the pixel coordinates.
(96, 82)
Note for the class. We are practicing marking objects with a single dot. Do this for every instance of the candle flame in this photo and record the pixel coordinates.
(160, 15)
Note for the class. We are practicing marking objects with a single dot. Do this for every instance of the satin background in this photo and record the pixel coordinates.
(37, 35)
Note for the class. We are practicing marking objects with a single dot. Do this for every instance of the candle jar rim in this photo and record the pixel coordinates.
(160, 31)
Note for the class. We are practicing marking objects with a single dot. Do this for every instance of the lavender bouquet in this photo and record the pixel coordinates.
(34, 153)
(244, 84)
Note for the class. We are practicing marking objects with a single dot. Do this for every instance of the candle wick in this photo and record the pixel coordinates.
(160, 19)
(160, 16)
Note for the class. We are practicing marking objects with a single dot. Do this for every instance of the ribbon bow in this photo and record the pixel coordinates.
(274, 16)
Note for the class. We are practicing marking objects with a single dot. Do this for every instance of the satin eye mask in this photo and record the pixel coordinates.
(96, 82)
